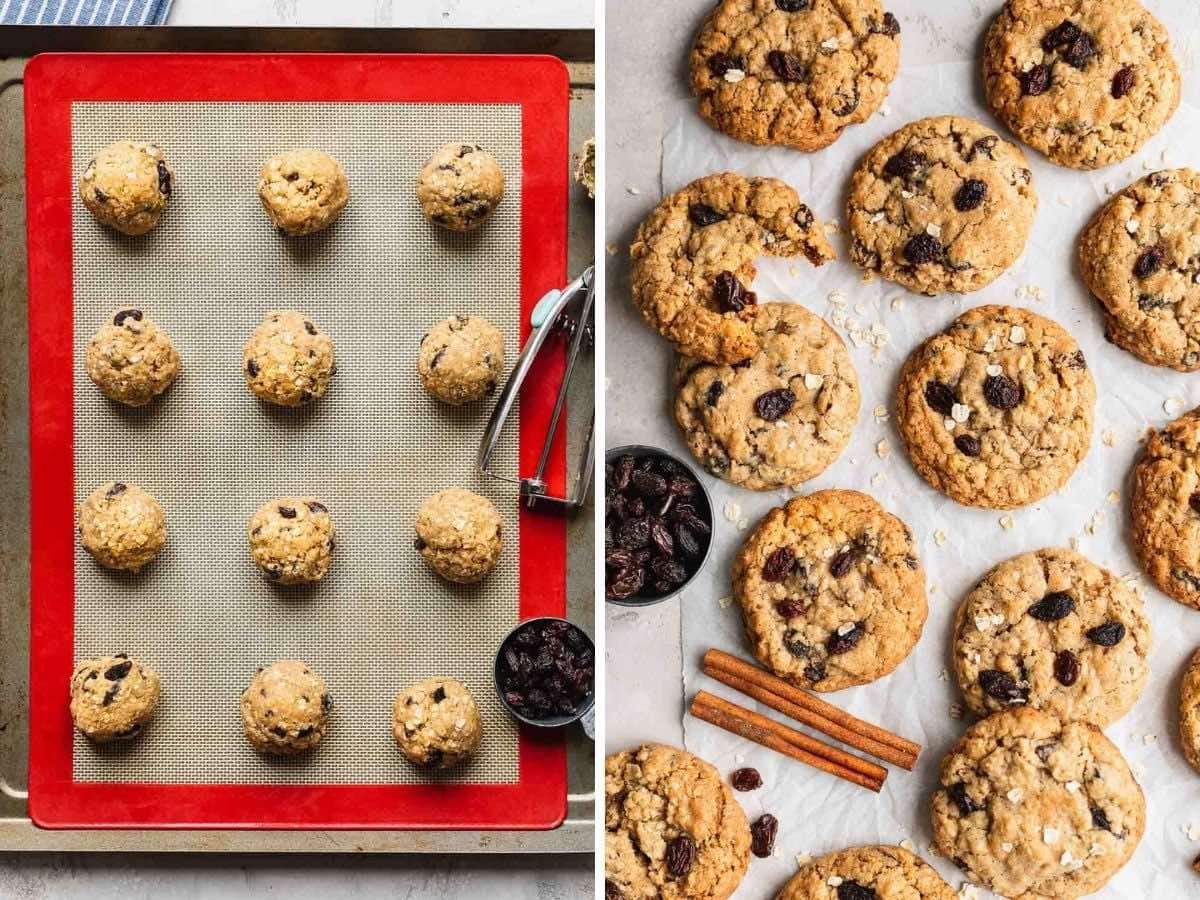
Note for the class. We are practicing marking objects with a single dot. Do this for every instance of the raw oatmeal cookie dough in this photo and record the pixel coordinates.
(460, 187)
(461, 359)
(673, 829)
(1036, 809)
(458, 535)
(831, 590)
(943, 204)
(780, 418)
(1054, 631)
(112, 697)
(1087, 82)
(436, 723)
(867, 873)
(288, 360)
(122, 526)
(303, 191)
(793, 72)
(291, 539)
(285, 710)
(132, 360)
(693, 260)
(1140, 256)
(996, 411)
(1166, 508)
(127, 186)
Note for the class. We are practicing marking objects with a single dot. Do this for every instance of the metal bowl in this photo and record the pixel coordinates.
(704, 509)
(559, 721)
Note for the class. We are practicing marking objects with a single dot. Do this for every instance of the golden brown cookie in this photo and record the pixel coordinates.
(867, 873)
(1189, 712)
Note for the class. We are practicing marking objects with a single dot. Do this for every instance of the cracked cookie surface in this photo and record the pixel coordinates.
(673, 829)
(943, 204)
(878, 873)
(1165, 508)
(694, 255)
(831, 590)
(1086, 82)
(793, 72)
(1052, 630)
(782, 417)
(1140, 256)
(996, 411)
(1034, 809)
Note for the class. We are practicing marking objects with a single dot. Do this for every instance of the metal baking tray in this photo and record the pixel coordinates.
(16, 832)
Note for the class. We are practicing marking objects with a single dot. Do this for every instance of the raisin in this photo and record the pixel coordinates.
(1064, 33)
(762, 835)
(1002, 392)
(252, 368)
(118, 488)
(1066, 668)
(787, 66)
(310, 327)
(119, 318)
(904, 164)
(1054, 606)
(314, 506)
(702, 214)
(1100, 819)
(686, 541)
(164, 179)
(280, 730)
(439, 694)
(433, 759)
(999, 685)
(940, 397)
(118, 671)
(890, 26)
(970, 195)
(612, 892)
(1080, 51)
(287, 512)
(661, 537)
(1122, 82)
(852, 890)
(1148, 262)
(100, 196)
(730, 295)
(967, 444)
(984, 145)
(110, 695)
(746, 780)
(1107, 635)
(843, 562)
(922, 248)
(681, 855)
(1194, 502)
(844, 643)
(958, 793)
(778, 564)
(1036, 81)
(1045, 751)
(634, 534)
(720, 63)
(715, 390)
(668, 571)
(774, 404)
(792, 5)
(847, 103)
(789, 608)
(649, 484)
(815, 671)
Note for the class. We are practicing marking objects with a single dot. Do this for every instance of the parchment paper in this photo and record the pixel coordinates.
(818, 813)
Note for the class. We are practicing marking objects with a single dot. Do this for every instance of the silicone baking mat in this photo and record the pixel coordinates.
(371, 449)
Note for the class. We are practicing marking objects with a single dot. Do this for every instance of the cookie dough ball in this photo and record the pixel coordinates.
(288, 360)
(132, 360)
(461, 359)
(460, 187)
(303, 191)
(291, 539)
(285, 710)
(436, 723)
(122, 526)
(112, 697)
(127, 186)
(458, 534)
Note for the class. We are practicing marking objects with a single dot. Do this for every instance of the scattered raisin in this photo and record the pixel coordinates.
(100, 196)
(762, 835)
(787, 66)
(1100, 819)
(715, 390)
(967, 444)
(958, 793)
(792, 5)
(1066, 668)
(789, 608)
(852, 890)
(1080, 51)
(1002, 392)
(287, 512)
(1107, 635)
(118, 671)
(843, 562)
(702, 214)
(730, 295)
(681, 855)
(720, 63)
(999, 685)
(252, 368)
(1054, 606)
(890, 26)
(774, 404)
(439, 694)
(940, 397)
(118, 488)
(746, 780)
(984, 145)
(164, 179)
(844, 643)
(778, 564)
(119, 318)
(1064, 33)
(1036, 81)
(1122, 82)
(970, 195)
(922, 248)
(1148, 262)
(905, 163)
(315, 507)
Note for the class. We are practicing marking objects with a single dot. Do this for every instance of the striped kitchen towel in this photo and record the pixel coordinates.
(84, 12)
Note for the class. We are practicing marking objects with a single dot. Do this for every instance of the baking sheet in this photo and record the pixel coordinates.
(818, 813)
(372, 449)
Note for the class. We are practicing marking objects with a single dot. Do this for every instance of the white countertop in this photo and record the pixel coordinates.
(387, 13)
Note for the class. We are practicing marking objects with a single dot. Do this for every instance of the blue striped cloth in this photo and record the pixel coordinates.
(84, 12)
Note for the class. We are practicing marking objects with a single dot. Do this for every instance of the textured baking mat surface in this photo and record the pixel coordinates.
(372, 449)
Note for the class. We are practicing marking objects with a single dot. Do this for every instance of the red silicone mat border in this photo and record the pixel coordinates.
(52, 82)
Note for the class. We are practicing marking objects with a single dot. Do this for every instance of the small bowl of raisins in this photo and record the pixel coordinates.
(545, 672)
(658, 525)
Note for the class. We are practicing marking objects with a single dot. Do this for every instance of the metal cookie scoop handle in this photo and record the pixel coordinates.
(570, 311)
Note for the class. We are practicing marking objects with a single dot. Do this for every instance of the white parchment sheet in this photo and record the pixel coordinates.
(817, 812)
